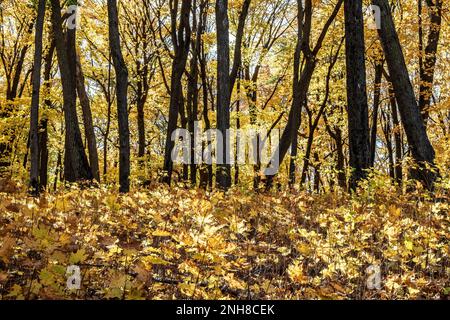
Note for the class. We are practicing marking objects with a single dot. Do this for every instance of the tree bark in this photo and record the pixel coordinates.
(34, 118)
(76, 165)
(223, 174)
(43, 132)
(376, 107)
(87, 121)
(122, 95)
(429, 57)
(397, 137)
(181, 38)
(358, 110)
(206, 174)
(421, 149)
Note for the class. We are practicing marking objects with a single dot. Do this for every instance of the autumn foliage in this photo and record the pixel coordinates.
(91, 93)
(162, 243)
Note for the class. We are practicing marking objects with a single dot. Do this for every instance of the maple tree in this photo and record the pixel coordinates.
(91, 93)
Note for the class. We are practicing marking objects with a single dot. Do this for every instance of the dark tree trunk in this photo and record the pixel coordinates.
(76, 165)
(421, 149)
(307, 159)
(108, 119)
(43, 154)
(397, 137)
(292, 164)
(296, 87)
(141, 127)
(252, 98)
(223, 174)
(358, 113)
(225, 83)
(316, 185)
(193, 91)
(376, 106)
(428, 57)
(122, 96)
(58, 170)
(34, 118)
(238, 127)
(141, 99)
(184, 125)
(387, 130)
(181, 38)
(336, 134)
(87, 121)
(340, 163)
(43, 132)
(206, 174)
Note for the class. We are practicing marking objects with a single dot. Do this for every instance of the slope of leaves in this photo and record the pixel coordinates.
(162, 243)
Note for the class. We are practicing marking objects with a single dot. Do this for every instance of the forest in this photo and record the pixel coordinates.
(228, 149)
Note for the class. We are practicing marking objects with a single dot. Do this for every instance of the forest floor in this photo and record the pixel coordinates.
(161, 243)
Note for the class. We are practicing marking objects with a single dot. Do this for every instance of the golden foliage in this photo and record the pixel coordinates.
(175, 243)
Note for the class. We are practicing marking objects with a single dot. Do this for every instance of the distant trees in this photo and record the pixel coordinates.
(180, 62)
(303, 73)
(13, 53)
(143, 50)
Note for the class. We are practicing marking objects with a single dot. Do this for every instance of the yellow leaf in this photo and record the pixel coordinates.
(78, 257)
(155, 260)
(409, 245)
(161, 233)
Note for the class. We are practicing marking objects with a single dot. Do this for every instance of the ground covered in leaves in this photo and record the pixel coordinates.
(161, 243)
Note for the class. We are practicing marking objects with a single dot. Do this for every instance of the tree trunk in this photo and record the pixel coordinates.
(336, 134)
(223, 174)
(43, 132)
(429, 57)
(225, 83)
(252, 98)
(76, 165)
(122, 95)
(141, 127)
(108, 119)
(397, 137)
(34, 118)
(181, 38)
(388, 136)
(193, 91)
(376, 107)
(206, 174)
(358, 111)
(421, 149)
(43, 154)
(292, 164)
(238, 127)
(87, 121)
